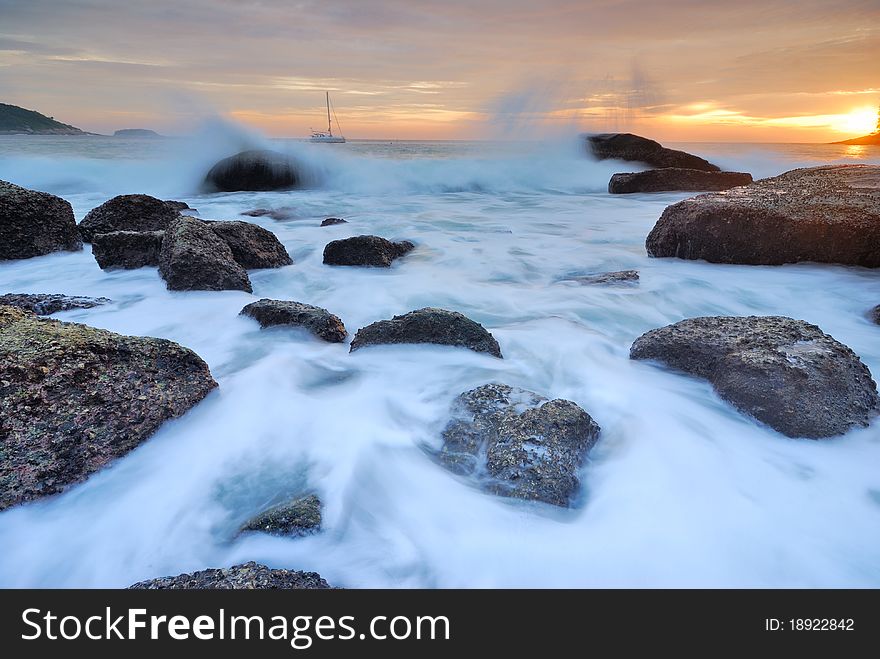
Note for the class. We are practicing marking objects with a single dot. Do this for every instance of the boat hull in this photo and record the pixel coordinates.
(328, 140)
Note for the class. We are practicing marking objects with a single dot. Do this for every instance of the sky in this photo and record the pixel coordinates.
(680, 70)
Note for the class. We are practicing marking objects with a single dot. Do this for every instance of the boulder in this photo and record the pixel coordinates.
(428, 325)
(330, 221)
(318, 321)
(874, 314)
(127, 249)
(73, 398)
(44, 304)
(675, 179)
(785, 373)
(285, 213)
(178, 205)
(257, 169)
(34, 223)
(365, 250)
(193, 257)
(299, 517)
(618, 278)
(248, 576)
(825, 214)
(626, 146)
(252, 246)
(129, 212)
(517, 443)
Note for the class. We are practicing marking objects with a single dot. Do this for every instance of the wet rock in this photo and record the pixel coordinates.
(672, 179)
(252, 246)
(626, 146)
(285, 213)
(44, 304)
(823, 214)
(330, 221)
(193, 257)
(785, 373)
(248, 576)
(318, 321)
(299, 517)
(178, 205)
(34, 223)
(618, 278)
(129, 212)
(517, 443)
(366, 251)
(257, 169)
(73, 398)
(127, 249)
(874, 314)
(428, 325)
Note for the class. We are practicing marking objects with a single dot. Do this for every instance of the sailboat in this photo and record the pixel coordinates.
(327, 136)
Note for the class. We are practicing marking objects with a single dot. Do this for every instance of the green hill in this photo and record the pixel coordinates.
(15, 120)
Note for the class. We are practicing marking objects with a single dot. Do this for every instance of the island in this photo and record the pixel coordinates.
(19, 121)
(872, 139)
(136, 132)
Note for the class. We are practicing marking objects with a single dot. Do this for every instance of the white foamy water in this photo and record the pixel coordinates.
(681, 490)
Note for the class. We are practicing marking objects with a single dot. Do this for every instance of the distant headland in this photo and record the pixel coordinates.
(136, 132)
(872, 139)
(18, 121)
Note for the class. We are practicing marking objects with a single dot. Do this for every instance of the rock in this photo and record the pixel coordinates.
(253, 170)
(299, 517)
(330, 221)
(252, 246)
(178, 205)
(428, 325)
(285, 213)
(365, 250)
(785, 373)
(676, 179)
(619, 278)
(626, 146)
(318, 321)
(517, 443)
(44, 304)
(127, 249)
(825, 214)
(34, 223)
(73, 398)
(193, 257)
(249, 576)
(874, 314)
(129, 212)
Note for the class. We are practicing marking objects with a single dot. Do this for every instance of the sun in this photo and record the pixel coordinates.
(861, 121)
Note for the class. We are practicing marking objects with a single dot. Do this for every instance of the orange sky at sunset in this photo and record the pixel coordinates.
(680, 70)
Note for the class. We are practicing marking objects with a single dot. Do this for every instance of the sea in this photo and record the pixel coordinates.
(680, 491)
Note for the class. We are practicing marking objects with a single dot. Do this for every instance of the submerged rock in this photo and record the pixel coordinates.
(365, 250)
(248, 576)
(672, 179)
(517, 443)
(825, 214)
(330, 221)
(129, 212)
(429, 325)
(34, 223)
(252, 246)
(193, 257)
(127, 249)
(44, 304)
(73, 398)
(285, 213)
(626, 146)
(874, 314)
(255, 170)
(618, 278)
(299, 517)
(785, 373)
(318, 321)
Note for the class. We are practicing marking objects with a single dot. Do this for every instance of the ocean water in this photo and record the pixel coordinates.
(680, 491)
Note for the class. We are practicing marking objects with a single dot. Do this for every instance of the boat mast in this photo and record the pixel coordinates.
(329, 126)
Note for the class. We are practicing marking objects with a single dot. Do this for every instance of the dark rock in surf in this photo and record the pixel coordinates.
(874, 314)
(785, 373)
(254, 170)
(429, 325)
(193, 257)
(130, 212)
(252, 246)
(825, 214)
(365, 251)
(300, 517)
(249, 576)
(34, 223)
(127, 249)
(178, 205)
(45, 304)
(285, 213)
(618, 278)
(675, 179)
(73, 398)
(626, 146)
(318, 321)
(519, 444)
(330, 221)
